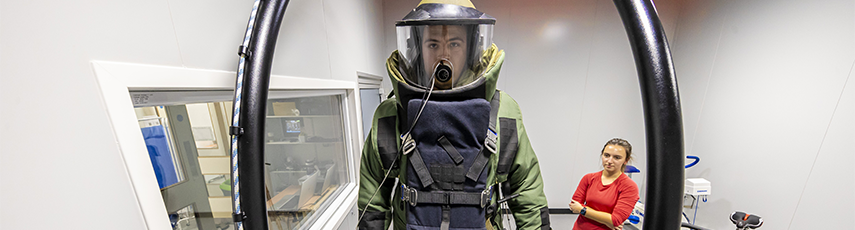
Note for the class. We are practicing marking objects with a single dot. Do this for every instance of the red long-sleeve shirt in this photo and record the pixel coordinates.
(617, 198)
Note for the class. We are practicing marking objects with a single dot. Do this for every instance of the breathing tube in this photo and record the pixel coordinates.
(662, 113)
(248, 117)
(442, 72)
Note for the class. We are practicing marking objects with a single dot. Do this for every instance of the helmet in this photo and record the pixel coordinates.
(441, 44)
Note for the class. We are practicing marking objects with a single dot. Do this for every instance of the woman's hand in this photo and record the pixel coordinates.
(619, 227)
(575, 206)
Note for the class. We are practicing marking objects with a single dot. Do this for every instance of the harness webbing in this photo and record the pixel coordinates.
(494, 110)
(420, 168)
(489, 142)
(479, 164)
(415, 197)
(508, 145)
(449, 148)
(446, 217)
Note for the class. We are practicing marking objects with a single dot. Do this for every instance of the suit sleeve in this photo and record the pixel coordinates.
(627, 196)
(530, 208)
(377, 213)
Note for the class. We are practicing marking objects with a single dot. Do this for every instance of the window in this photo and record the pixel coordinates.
(305, 155)
(197, 140)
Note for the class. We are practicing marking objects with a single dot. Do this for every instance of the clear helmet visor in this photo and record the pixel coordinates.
(443, 56)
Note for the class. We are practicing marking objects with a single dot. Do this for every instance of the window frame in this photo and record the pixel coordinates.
(117, 80)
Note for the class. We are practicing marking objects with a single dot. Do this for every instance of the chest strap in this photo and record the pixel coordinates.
(489, 142)
(415, 197)
(449, 148)
(417, 161)
(490, 147)
(492, 138)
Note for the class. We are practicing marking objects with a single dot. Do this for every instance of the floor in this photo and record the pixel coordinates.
(556, 221)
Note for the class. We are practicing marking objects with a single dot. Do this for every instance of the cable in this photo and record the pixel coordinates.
(696, 212)
(236, 114)
(425, 99)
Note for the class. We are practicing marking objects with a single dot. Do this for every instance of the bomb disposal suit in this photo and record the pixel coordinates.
(457, 145)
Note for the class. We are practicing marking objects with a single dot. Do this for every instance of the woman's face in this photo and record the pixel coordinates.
(614, 158)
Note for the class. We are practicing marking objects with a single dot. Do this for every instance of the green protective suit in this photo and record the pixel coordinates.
(529, 208)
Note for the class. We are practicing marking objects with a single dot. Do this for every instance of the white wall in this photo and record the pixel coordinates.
(766, 90)
(768, 106)
(60, 167)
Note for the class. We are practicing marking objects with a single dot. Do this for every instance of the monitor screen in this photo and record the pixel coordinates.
(293, 126)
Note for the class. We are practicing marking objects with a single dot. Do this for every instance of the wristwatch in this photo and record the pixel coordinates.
(583, 211)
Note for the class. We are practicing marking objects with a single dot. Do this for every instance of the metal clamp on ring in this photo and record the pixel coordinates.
(408, 143)
(485, 196)
(490, 141)
(409, 195)
(405, 194)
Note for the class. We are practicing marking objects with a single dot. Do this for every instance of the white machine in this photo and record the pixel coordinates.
(697, 187)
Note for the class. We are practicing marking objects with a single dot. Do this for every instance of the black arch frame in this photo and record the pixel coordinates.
(663, 119)
(660, 97)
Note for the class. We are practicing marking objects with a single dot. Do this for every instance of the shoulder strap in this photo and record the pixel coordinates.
(489, 142)
(494, 110)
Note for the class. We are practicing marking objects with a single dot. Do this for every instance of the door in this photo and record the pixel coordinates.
(186, 201)
(371, 98)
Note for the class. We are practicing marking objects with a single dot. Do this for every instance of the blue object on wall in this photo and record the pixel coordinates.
(631, 169)
(696, 158)
(159, 152)
(634, 219)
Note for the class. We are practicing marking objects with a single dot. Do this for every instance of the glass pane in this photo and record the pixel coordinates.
(305, 152)
(305, 156)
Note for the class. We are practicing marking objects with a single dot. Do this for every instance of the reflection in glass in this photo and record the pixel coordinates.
(160, 150)
(305, 155)
(184, 219)
(188, 201)
(202, 122)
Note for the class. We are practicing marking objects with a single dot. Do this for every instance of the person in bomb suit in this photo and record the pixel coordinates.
(456, 145)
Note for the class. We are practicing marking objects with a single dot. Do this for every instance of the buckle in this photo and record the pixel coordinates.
(490, 141)
(409, 195)
(414, 196)
(408, 143)
(485, 196)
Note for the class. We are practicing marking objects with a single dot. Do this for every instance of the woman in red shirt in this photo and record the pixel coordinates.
(605, 199)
